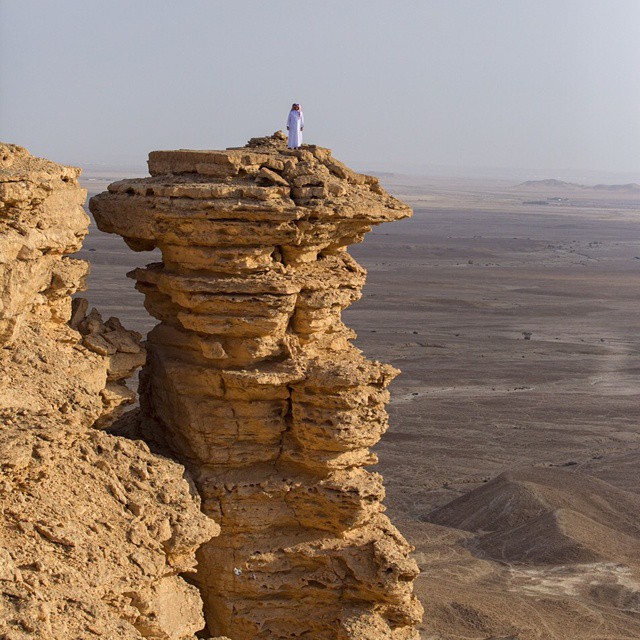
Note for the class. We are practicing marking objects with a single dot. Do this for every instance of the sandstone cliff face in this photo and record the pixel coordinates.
(94, 530)
(252, 380)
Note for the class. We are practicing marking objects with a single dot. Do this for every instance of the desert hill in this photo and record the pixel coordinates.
(548, 516)
(548, 183)
(630, 187)
(534, 554)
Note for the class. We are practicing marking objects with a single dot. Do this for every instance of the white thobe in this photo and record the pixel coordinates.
(295, 122)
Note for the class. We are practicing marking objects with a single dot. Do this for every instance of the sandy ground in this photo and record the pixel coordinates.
(517, 330)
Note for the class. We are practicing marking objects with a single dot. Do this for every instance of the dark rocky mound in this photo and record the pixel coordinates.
(632, 187)
(549, 182)
(547, 516)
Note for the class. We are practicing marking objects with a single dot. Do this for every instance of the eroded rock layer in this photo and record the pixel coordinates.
(254, 383)
(95, 530)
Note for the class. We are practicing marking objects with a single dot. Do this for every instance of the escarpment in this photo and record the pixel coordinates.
(253, 382)
(95, 530)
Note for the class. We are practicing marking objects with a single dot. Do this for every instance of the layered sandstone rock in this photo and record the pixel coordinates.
(253, 382)
(95, 531)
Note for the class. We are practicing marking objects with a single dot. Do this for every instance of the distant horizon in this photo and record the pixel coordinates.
(584, 176)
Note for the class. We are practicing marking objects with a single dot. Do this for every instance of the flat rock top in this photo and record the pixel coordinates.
(310, 176)
(293, 204)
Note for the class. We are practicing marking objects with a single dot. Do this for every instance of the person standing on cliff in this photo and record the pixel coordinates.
(295, 126)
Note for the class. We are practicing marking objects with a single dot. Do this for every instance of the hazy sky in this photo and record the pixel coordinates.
(406, 85)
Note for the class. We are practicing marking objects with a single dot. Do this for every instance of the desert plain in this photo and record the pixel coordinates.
(511, 463)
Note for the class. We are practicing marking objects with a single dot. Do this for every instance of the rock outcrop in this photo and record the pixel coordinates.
(41, 222)
(95, 530)
(253, 382)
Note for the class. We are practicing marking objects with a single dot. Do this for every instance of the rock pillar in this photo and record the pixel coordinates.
(253, 382)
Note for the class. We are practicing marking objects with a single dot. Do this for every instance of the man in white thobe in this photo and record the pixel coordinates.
(295, 126)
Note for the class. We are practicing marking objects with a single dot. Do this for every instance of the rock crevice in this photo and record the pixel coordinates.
(253, 382)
